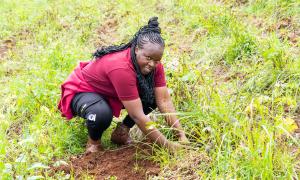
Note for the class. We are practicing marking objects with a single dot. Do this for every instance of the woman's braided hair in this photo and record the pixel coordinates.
(147, 33)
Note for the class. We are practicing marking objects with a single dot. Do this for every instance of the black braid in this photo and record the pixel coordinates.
(148, 33)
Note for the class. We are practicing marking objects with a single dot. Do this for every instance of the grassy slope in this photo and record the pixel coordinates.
(231, 67)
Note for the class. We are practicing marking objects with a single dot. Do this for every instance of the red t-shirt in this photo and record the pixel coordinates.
(113, 76)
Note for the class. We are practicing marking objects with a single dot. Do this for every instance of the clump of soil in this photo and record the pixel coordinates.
(124, 163)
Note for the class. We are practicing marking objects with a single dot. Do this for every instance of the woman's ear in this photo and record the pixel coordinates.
(136, 49)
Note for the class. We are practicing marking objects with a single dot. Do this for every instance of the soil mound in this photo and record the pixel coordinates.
(126, 162)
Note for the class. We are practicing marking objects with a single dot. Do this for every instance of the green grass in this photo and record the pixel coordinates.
(231, 68)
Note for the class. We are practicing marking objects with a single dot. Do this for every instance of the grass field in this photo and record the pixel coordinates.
(233, 68)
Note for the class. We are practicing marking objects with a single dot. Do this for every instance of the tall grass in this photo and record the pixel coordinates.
(235, 83)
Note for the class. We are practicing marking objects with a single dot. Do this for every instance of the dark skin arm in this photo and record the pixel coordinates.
(165, 105)
(135, 111)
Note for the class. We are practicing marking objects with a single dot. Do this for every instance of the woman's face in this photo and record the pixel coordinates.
(149, 56)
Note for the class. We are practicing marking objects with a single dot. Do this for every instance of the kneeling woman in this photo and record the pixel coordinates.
(128, 76)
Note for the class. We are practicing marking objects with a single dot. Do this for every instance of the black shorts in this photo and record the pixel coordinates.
(82, 101)
(95, 110)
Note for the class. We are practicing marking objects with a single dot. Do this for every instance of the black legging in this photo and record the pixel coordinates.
(97, 113)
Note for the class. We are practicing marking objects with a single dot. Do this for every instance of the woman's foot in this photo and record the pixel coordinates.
(93, 146)
(121, 135)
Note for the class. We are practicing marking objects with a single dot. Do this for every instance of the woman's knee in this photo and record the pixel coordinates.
(99, 115)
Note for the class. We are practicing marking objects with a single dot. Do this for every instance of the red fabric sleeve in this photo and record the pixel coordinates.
(159, 76)
(124, 84)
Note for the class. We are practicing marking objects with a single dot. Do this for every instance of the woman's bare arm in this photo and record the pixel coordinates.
(135, 111)
(165, 105)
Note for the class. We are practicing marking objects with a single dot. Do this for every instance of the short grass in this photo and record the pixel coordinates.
(232, 67)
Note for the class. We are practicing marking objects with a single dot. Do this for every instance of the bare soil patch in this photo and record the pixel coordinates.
(127, 162)
(287, 28)
(15, 129)
(5, 46)
(223, 74)
(107, 33)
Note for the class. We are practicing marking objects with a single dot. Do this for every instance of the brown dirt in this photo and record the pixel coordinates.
(5, 46)
(222, 74)
(124, 163)
(240, 2)
(23, 34)
(285, 28)
(234, 3)
(288, 29)
(15, 129)
(257, 21)
(107, 33)
(297, 121)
